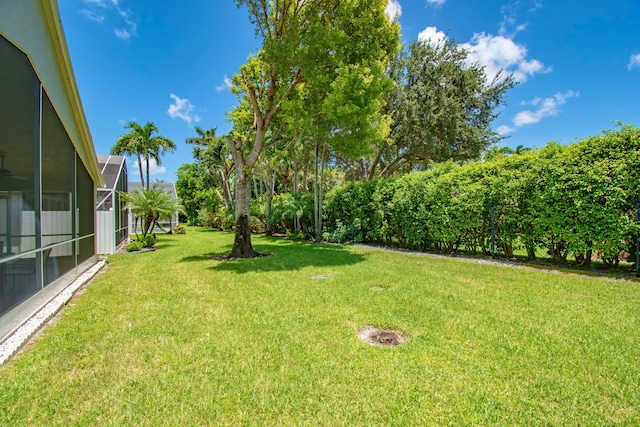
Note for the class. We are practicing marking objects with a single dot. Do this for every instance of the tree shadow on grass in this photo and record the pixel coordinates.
(285, 255)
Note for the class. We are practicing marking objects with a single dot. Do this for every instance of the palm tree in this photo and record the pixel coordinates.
(213, 154)
(495, 152)
(142, 142)
(149, 205)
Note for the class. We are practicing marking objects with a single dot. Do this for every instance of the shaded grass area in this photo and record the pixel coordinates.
(174, 338)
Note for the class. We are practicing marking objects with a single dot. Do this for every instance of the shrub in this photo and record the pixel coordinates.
(296, 236)
(345, 233)
(134, 246)
(148, 241)
(257, 226)
(180, 229)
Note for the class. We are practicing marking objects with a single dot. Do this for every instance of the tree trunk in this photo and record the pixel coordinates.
(147, 159)
(316, 193)
(228, 199)
(242, 244)
(305, 173)
(321, 198)
(140, 167)
(531, 252)
(271, 183)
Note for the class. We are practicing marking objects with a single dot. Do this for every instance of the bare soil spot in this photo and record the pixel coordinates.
(382, 337)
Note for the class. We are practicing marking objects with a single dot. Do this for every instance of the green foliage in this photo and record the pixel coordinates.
(577, 200)
(135, 246)
(148, 241)
(292, 235)
(441, 108)
(219, 218)
(150, 205)
(343, 233)
(290, 209)
(144, 142)
(348, 204)
(180, 229)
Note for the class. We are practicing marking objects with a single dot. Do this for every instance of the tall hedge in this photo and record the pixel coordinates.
(578, 199)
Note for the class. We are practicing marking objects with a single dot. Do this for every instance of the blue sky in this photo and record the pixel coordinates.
(167, 61)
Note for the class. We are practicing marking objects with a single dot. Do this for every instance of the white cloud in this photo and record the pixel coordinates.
(432, 36)
(497, 53)
(634, 61)
(99, 3)
(122, 34)
(513, 12)
(154, 169)
(93, 15)
(503, 130)
(393, 9)
(112, 10)
(182, 109)
(226, 84)
(436, 2)
(545, 107)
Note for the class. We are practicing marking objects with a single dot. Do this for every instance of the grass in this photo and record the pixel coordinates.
(173, 338)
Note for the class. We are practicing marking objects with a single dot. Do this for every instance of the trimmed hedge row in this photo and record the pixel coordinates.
(578, 199)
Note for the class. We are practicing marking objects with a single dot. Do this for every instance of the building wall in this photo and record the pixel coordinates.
(49, 169)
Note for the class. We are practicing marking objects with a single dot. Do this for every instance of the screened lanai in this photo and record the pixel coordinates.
(48, 167)
(111, 219)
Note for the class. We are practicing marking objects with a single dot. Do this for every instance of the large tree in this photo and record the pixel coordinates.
(143, 142)
(442, 108)
(322, 43)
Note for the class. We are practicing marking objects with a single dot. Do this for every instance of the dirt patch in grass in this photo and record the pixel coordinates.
(382, 337)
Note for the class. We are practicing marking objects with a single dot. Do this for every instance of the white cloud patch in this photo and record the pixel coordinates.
(634, 61)
(544, 108)
(436, 2)
(393, 9)
(112, 11)
(497, 53)
(93, 15)
(503, 130)
(154, 169)
(226, 84)
(513, 12)
(182, 109)
(432, 36)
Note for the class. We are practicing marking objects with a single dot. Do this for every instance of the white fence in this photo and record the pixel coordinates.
(105, 232)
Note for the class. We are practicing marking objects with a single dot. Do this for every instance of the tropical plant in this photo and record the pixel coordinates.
(143, 142)
(212, 155)
(149, 206)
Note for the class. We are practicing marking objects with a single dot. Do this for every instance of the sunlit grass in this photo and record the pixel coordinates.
(173, 338)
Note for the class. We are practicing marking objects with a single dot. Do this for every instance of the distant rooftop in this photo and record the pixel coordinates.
(166, 186)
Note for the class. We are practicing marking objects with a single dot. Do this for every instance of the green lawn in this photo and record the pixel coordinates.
(173, 338)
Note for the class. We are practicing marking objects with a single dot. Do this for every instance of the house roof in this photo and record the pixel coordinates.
(169, 187)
